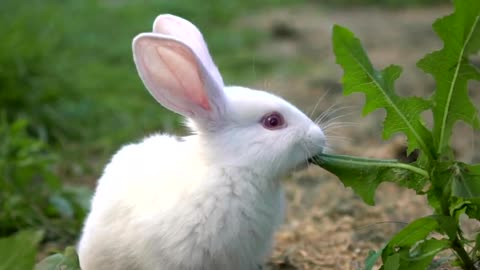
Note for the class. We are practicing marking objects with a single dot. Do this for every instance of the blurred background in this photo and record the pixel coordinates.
(70, 96)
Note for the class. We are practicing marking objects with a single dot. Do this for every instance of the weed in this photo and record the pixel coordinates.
(452, 187)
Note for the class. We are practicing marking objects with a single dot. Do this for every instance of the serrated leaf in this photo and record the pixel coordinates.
(470, 207)
(403, 113)
(466, 181)
(416, 231)
(411, 244)
(441, 189)
(364, 175)
(18, 251)
(456, 188)
(422, 254)
(66, 261)
(460, 33)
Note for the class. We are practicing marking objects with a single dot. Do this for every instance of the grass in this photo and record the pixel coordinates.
(67, 65)
(383, 3)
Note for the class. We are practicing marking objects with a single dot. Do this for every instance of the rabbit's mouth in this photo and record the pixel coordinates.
(301, 166)
(315, 157)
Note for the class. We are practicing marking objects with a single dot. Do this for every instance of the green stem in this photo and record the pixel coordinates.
(467, 262)
(368, 162)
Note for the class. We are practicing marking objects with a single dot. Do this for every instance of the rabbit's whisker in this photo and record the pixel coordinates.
(331, 111)
(318, 102)
(326, 121)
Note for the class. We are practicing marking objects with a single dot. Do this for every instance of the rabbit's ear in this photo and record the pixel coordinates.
(189, 34)
(177, 69)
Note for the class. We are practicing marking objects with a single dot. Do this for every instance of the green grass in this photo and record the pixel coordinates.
(67, 67)
(382, 3)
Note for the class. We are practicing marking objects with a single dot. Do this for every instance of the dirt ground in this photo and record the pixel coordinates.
(328, 227)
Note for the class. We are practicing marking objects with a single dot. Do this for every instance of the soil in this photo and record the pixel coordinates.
(327, 226)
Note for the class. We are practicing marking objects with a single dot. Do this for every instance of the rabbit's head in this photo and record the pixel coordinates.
(236, 125)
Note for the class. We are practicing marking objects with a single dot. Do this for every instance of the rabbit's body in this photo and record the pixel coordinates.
(178, 205)
(209, 201)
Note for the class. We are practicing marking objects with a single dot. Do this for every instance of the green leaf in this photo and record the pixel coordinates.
(416, 231)
(411, 246)
(455, 189)
(18, 251)
(448, 225)
(440, 190)
(418, 257)
(470, 207)
(66, 261)
(80, 196)
(460, 33)
(372, 258)
(422, 254)
(61, 205)
(466, 181)
(392, 262)
(403, 114)
(364, 175)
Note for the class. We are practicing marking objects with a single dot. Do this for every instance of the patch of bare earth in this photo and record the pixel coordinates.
(327, 226)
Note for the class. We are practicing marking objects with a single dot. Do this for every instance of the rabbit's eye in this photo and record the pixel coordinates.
(273, 120)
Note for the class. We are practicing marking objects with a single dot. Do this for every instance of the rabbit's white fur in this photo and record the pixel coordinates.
(209, 201)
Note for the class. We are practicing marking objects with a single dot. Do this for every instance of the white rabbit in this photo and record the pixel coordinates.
(209, 201)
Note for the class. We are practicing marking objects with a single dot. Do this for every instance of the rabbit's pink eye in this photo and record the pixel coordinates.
(273, 120)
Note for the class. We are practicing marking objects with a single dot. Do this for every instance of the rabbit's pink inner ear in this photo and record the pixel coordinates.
(189, 34)
(171, 73)
(181, 76)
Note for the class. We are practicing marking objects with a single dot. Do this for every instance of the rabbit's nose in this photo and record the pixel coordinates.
(316, 138)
